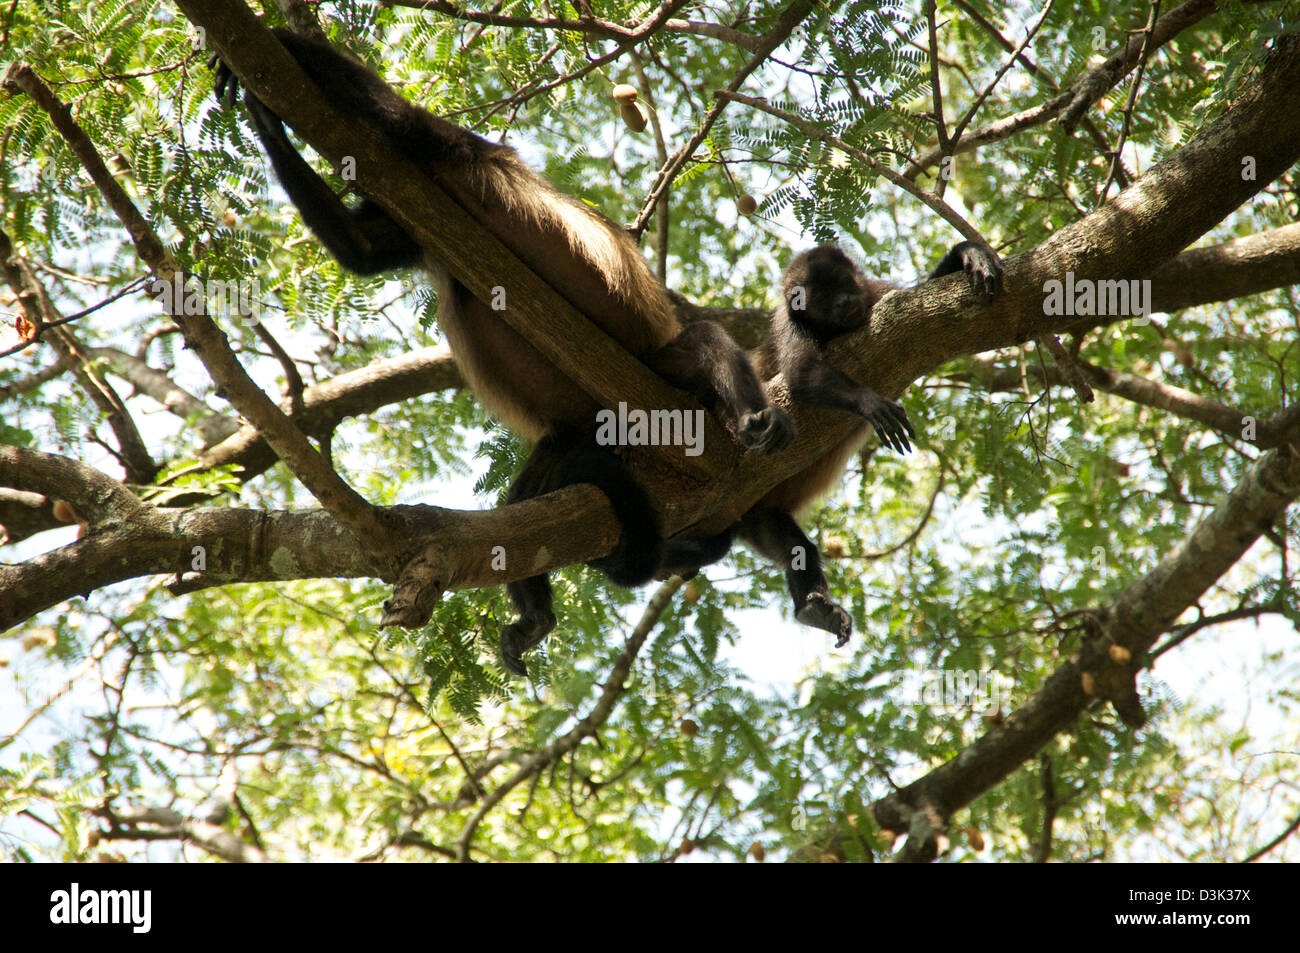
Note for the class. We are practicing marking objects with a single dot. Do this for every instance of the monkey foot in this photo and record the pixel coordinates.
(519, 637)
(767, 431)
(819, 612)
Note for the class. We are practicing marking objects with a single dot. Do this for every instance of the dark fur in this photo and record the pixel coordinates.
(824, 295)
(579, 252)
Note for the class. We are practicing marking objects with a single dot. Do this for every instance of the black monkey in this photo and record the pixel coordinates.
(824, 295)
(579, 252)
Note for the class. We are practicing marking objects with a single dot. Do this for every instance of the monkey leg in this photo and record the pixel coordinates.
(703, 360)
(777, 536)
(559, 460)
(531, 597)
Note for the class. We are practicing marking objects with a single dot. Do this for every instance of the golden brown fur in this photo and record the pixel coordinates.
(588, 259)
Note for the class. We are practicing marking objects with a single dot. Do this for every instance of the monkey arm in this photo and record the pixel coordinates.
(813, 381)
(363, 239)
(703, 360)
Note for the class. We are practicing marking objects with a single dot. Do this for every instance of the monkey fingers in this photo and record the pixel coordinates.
(983, 271)
(818, 611)
(892, 426)
(225, 84)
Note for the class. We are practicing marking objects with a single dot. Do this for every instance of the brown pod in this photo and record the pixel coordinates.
(634, 115)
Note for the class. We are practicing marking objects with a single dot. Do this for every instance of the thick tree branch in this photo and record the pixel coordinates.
(470, 251)
(214, 546)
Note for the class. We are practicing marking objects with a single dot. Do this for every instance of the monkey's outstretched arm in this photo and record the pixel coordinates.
(363, 239)
(811, 380)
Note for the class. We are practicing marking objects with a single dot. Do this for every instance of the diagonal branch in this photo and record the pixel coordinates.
(475, 255)
(41, 311)
(203, 335)
(1133, 622)
(1072, 104)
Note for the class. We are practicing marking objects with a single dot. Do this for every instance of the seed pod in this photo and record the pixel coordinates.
(634, 115)
(747, 204)
(1119, 655)
(624, 93)
(689, 728)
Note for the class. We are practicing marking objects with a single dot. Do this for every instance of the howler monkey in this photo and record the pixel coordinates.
(823, 295)
(583, 255)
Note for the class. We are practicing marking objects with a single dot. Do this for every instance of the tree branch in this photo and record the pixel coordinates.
(1134, 621)
(1085, 91)
(205, 338)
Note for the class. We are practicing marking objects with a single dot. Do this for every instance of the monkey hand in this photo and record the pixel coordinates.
(983, 270)
(225, 86)
(890, 420)
(768, 431)
(819, 612)
(519, 637)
